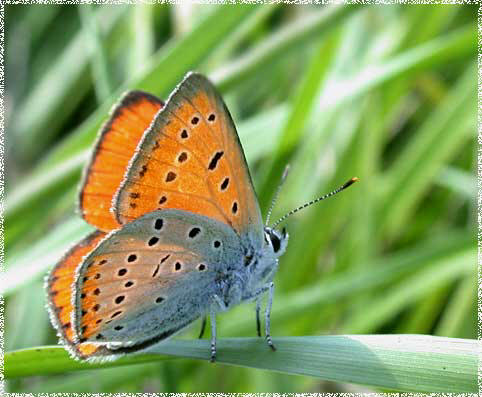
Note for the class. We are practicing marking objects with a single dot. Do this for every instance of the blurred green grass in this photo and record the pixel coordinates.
(386, 93)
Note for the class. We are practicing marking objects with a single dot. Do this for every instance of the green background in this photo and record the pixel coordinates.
(384, 93)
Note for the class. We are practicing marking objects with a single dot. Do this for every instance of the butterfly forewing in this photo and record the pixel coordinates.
(114, 148)
(191, 159)
(151, 278)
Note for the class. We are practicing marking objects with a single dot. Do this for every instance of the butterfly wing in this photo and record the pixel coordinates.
(150, 279)
(191, 159)
(115, 146)
(59, 290)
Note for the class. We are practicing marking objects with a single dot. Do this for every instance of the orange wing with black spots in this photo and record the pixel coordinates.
(191, 159)
(115, 146)
(59, 289)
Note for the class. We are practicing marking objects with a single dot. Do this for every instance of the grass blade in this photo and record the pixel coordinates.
(411, 363)
(412, 174)
(41, 114)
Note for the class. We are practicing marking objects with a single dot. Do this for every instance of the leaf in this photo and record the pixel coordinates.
(410, 363)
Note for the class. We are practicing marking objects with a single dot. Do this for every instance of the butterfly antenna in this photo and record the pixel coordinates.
(275, 197)
(343, 187)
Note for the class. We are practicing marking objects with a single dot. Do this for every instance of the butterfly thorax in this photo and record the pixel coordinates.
(254, 270)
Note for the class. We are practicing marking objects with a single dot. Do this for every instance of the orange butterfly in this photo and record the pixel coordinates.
(180, 234)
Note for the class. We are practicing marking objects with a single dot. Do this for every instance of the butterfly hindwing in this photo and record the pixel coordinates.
(191, 159)
(113, 149)
(59, 290)
(151, 278)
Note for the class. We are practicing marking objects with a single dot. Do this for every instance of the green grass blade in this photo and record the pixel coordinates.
(41, 187)
(308, 27)
(96, 51)
(426, 311)
(302, 107)
(248, 27)
(143, 36)
(90, 381)
(412, 289)
(461, 182)
(450, 126)
(458, 308)
(411, 363)
(52, 99)
(453, 45)
(27, 307)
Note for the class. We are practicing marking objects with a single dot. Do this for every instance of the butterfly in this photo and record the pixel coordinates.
(179, 229)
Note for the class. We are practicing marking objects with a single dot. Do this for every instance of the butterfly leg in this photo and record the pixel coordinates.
(203, 327)
(213, 336)
(257, 295)
(258, 321)
(268, 316)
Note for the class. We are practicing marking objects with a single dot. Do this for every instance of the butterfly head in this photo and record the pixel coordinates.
(262, 262)
(276, 241)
